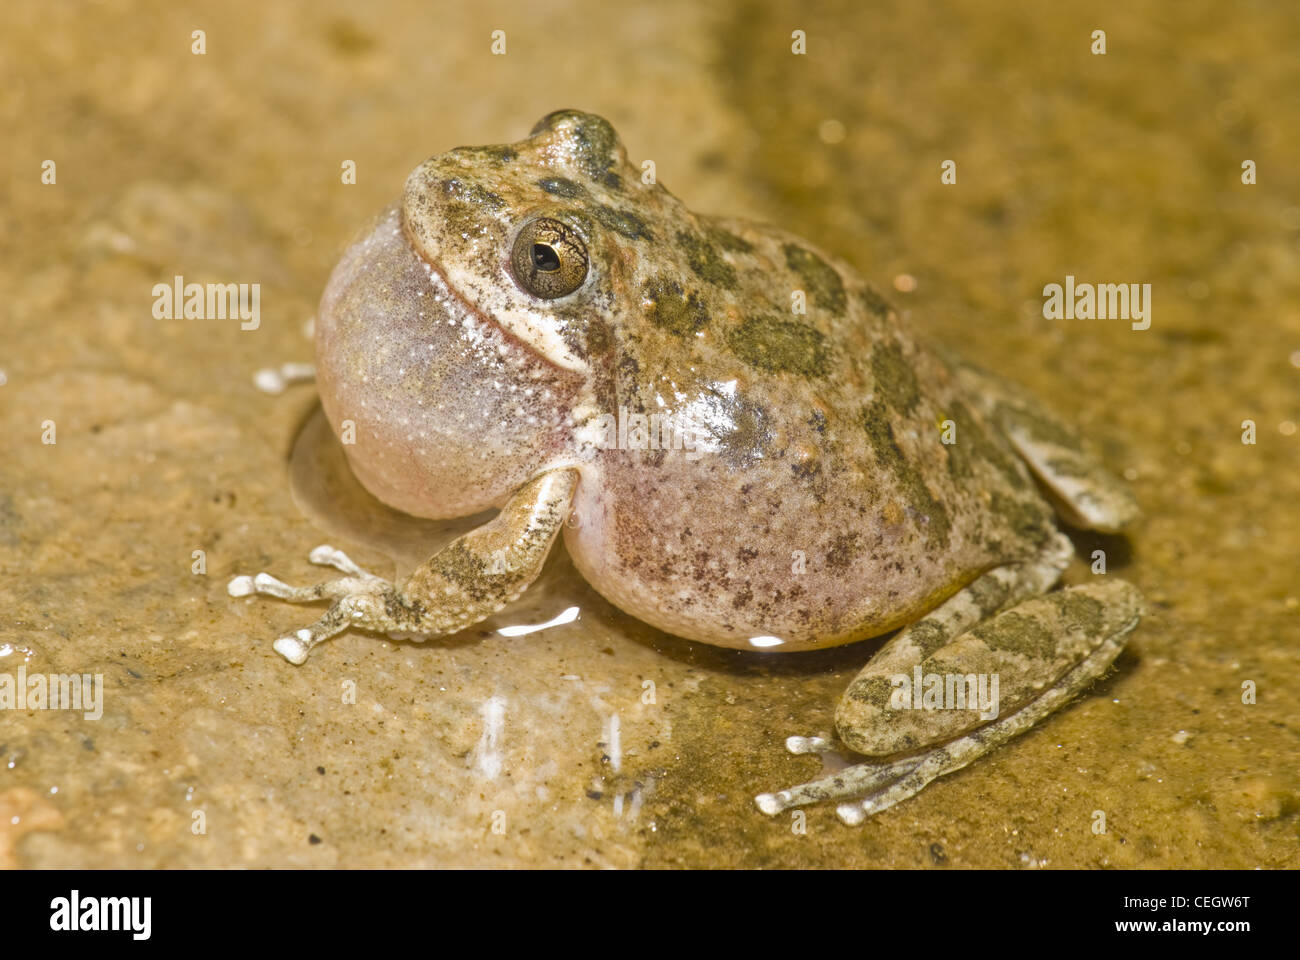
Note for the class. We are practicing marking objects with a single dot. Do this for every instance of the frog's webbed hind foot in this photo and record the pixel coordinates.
(860, 780)
(1096, 619)
(470, 579)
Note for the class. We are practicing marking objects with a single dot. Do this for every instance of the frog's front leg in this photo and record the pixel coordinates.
(1043, 651)
(470, 579)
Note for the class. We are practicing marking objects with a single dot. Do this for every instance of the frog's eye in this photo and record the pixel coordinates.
(549, 259)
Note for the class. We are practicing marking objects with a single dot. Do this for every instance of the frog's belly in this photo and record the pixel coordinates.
(696, 553)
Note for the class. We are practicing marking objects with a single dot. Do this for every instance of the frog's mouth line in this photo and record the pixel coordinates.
(444, 286)
(440, 285)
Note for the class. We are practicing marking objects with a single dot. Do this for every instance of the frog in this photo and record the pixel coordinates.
(741, 441)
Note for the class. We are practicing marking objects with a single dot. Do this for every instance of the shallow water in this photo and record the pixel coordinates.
(1117, 168)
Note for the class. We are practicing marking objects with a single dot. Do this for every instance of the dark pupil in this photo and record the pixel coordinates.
(545, 258)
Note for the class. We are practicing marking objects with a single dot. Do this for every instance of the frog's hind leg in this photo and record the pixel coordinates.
(1031, 655)
(860, 709)
(1084, 492)
(468, 580)
(878, 786)
(986, 596)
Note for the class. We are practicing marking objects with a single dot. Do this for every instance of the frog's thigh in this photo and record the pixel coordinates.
(1086, 494)
(471, 578)
(1097, 618)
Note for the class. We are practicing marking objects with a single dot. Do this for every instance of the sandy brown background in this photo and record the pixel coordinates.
(225, 167)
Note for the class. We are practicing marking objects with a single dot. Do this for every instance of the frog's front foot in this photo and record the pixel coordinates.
(1058, 644)
(353, 596)
(467, 581)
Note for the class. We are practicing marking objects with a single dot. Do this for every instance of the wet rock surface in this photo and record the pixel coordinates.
(601, 742)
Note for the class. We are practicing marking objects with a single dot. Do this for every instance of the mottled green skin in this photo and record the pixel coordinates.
(821, 431)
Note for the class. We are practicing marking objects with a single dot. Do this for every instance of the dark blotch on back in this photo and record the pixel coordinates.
(973, 445)
(624, 222)
(472, 193)
(729, 241)
(705, 261)
(562, 187)
(872, 299)
(821, 279)
(875, 421)
(674, 309)
(1029, 517)
(895, 380)
(780, 346)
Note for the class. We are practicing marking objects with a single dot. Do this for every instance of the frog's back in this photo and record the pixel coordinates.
(821, 504)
